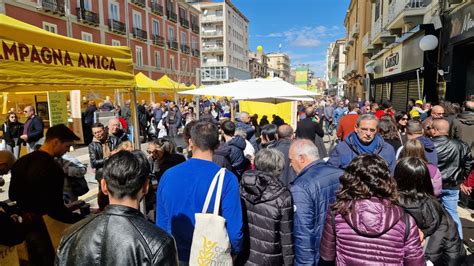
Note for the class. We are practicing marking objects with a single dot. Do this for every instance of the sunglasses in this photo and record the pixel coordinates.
(404, 119)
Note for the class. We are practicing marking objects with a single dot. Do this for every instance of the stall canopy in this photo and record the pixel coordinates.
(167, 84)
(145, 83)
(265, 90)
(33, 59)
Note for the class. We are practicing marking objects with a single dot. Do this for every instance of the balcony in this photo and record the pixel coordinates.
(195, 28)
(350, 41)
(184, 22)
(117, 26)
(171, 16)
(173, 45)
(355, 30)
(402, 12)
(379, 35)
(185, 49)
(158, 40)
(139, 34)
(196, 52)
(213, 63)
(53, 6)
(216, 33)
(206, 19)
(213, 48)
(87, 16)
(141, 3)
(156, 8)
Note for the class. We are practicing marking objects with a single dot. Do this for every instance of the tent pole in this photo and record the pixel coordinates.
(197, 98)
(135, 122)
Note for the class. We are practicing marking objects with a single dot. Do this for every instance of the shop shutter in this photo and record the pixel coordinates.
(399, 95)
(385, 91)
(378, 93)
(413, 89)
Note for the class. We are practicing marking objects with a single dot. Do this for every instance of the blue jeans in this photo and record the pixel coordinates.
(449, 199)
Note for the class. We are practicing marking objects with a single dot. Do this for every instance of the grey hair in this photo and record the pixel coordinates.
(305, 147)
(240, 132)
(367, 117)
(270, 161)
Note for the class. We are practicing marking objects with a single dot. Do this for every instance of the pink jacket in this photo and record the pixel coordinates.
(373, 233)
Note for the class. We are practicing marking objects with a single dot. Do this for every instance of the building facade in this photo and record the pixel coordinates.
(224, 42)
(162, 34)
(336, 66)
(357, 24)
(279, 65)
(258, 64)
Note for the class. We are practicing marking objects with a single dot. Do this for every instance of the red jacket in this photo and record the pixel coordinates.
(346, 125)
(381, 113)
(469, 182)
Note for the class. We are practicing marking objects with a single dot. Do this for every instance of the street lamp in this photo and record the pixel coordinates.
(428, 43)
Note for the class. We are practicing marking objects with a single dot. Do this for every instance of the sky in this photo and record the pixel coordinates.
(304, 28)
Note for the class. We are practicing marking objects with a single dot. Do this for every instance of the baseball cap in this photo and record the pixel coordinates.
(419, 102)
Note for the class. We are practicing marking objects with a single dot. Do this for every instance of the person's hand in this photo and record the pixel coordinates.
(24, 137)
(317, 119)
(465, 189)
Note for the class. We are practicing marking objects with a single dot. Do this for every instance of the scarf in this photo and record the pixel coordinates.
(363, 147)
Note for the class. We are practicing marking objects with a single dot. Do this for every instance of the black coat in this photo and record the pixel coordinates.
(268, 220)
(221, 157)
(307, 129)
(89, 115)
(11, 131)
(288, 174)
(444, 246)
(96, 154)
(237, 159)
(118, 236)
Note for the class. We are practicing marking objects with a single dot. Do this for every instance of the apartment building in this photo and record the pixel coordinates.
(163, 35)
(258, 64)
(398, 69)
(357, 23)
(224, 42)
(279, 65)
(336, 66)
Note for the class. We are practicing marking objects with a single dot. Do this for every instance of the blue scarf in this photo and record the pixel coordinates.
(362, 147)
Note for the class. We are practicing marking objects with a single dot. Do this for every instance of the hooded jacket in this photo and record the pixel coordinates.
(443, 245)
(462, 129)
(374, 232)
(430, 150)
(268, 220)
(288, 174)
(347, 150)
(236, 156)
(454, 160)
(221, 157)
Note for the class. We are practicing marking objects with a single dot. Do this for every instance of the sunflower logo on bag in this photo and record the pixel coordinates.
(206, 255)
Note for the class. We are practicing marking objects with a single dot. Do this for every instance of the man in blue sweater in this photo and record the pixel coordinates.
(183, 189)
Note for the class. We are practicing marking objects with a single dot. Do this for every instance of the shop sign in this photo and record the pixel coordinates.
(462, 23)
(57, 102)
(392, 62)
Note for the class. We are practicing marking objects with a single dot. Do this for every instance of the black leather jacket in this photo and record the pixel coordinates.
(118, 236)
(96, 154)
(454, 160)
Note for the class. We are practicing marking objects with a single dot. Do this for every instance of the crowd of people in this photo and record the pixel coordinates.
(385, 193)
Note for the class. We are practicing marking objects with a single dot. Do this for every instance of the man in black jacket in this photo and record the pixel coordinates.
(120, 235)
(455, 162)
(33, 129)
(100, 149)
(237, 146)
(37, 186)
(285, 136)
(311, 128)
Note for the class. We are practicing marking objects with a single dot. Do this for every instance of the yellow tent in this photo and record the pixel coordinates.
(145, 83)
(166, 83)
(33, 59)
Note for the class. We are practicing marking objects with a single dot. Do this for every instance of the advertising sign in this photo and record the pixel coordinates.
(57, 102)
(392, 61)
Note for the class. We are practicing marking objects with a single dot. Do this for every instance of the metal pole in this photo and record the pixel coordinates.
(418, 82)
(135, 122)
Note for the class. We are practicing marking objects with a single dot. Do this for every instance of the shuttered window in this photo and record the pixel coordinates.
(413, 89)
(399, 95)
(378, 93)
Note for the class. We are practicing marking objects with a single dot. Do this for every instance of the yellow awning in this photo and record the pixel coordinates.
(166, 83)
(145, 83)
(33, 59)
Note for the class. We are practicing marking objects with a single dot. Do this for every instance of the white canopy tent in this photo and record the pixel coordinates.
(255, 89)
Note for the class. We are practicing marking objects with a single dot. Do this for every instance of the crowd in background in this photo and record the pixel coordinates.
(388, 186)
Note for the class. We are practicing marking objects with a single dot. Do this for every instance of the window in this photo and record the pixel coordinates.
(139, 55)
(182, 13)
(115, 43)
(156, 27)
(184, 66)
(85, 3)
(172, 63)
(114, 11)
(183, 38)
(171, 34)
(170, 5)
(137, 20)
(50, 27)
(86, 36)
(194, 43)
(157, 60)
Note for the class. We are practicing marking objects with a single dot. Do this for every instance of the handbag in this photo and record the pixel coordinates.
(210, 245)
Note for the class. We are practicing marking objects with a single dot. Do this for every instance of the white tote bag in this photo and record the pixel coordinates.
(211, 244)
